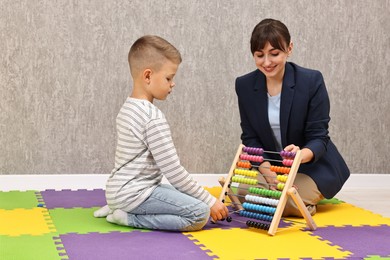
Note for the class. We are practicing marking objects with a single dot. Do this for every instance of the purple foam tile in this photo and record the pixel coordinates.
(132, 245)
(73, 199)
(361, 241)
(238, 222)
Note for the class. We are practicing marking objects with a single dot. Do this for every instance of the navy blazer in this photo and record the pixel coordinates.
(304, 119)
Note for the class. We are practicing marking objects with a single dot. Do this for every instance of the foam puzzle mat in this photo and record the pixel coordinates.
(59, 224)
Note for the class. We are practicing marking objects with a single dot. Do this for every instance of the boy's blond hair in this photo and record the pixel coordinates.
(151, 52)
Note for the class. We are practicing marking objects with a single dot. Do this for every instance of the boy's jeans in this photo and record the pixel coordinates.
(170, 209)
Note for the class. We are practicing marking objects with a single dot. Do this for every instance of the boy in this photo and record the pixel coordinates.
(145, 152)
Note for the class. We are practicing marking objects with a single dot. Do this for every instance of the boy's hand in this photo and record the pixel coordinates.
(219, 211)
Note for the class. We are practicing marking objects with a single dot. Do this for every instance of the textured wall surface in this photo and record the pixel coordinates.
(64, 76)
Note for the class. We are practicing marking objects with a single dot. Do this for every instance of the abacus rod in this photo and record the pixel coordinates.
(265, 167)
(235, 211)
(253, 165)
(237, 195)
(235, 203)
(243, 222)
(243, 196)
(273, 152)
(273, 160)
(264, 175)
(270, 184)
(285, 219)
(271, 176)
(260, 182)
(256, 187)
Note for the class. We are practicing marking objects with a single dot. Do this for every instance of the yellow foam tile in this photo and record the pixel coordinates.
(16, 222)
(346, 214)
(215, 191)
(257, 244)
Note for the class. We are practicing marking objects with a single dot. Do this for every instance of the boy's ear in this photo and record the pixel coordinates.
(146, 75)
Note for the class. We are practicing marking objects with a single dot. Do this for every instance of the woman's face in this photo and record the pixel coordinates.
(271, 61)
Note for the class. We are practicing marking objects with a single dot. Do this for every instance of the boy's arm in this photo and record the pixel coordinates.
(159, 141)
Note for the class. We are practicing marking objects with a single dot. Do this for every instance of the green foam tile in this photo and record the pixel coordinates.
(18, 200)
(82, 221)
(28, 247)
(330, 201)
(375, 257)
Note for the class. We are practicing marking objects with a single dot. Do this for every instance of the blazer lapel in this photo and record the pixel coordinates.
(261, 107)
(286, 101)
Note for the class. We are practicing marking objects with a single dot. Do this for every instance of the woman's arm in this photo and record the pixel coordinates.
(317, 122)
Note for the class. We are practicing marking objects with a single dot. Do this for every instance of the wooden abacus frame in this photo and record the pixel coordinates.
(288, 190)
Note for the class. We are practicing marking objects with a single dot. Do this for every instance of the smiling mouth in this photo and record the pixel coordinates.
(269, 69)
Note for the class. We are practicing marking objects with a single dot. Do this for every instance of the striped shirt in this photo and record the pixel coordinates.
(145, 152)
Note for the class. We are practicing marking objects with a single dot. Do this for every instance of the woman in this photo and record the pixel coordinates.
(285, 106)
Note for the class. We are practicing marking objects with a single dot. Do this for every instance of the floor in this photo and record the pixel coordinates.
(58, 224)
(375, 200)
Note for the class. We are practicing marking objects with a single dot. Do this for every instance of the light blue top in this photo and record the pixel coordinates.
(273, 117)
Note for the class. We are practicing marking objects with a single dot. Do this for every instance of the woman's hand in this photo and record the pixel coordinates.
(291, 148)
(306, 154)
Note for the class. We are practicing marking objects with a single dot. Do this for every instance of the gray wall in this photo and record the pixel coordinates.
(64, 76)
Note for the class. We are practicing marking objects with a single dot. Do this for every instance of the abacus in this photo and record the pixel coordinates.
(264, 205)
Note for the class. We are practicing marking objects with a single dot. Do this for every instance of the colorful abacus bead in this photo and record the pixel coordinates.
(259, 208)
(280, 169)
(261, 200)
(243, 164)
(252, 158)
(258, 216)
(280, 186)
(258, 225)
(288, 155)
(249, 173)
(253, 150)
(265, 192)
(287, 162)
(244, 180)
(282, 178)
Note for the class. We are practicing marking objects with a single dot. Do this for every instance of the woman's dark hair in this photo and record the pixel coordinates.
(272, 31)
